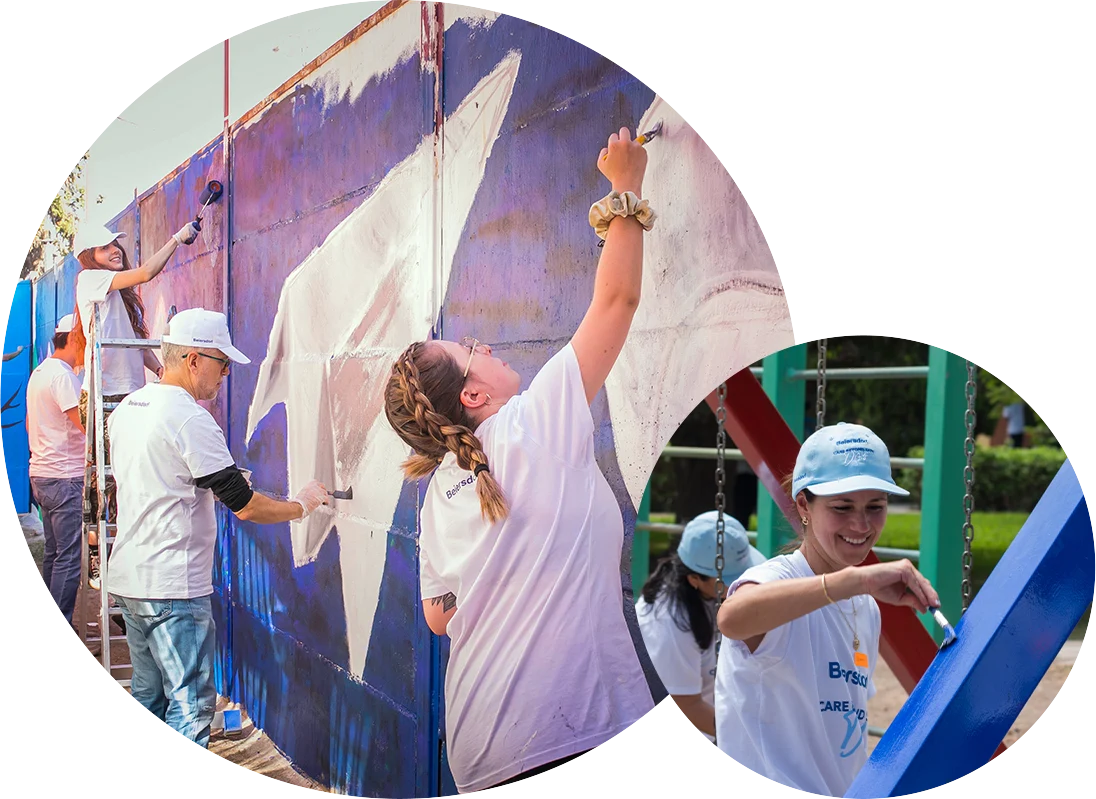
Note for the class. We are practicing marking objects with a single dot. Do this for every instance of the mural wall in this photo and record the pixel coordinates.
(430, 175)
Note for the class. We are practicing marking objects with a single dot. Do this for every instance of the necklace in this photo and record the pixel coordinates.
(852, 626)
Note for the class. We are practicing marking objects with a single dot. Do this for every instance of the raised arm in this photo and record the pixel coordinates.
(600, 337)
(154, 265)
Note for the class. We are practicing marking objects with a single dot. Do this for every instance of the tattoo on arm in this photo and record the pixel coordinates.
(447, 602)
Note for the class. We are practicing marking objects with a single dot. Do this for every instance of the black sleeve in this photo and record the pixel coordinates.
(229, 486)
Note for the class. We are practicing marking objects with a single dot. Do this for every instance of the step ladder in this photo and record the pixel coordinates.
(105, 528)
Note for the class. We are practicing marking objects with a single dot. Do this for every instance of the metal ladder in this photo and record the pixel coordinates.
(106, 529)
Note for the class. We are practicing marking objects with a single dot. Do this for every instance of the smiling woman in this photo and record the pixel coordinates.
(106, 279)
(802, 630)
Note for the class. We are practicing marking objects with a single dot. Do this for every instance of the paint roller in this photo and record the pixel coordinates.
(210, 194)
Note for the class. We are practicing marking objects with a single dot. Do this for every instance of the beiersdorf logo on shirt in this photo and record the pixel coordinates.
(855, 718)
(467, 481)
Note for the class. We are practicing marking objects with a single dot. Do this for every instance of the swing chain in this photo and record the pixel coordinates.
(720, 501)
(968, 481)
(820, 387)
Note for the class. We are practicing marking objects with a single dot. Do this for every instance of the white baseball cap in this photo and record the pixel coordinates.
(197, 327)
(842, 458)
(92, 236)
(65, 324)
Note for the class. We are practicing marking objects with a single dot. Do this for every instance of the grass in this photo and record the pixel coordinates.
(993, 532)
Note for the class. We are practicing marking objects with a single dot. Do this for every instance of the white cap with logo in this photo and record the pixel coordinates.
(197, 327)
(88, 238)
(65, 324)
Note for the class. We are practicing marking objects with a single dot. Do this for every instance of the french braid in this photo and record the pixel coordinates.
(434, 427)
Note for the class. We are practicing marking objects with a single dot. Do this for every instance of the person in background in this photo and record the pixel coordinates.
(56, 437)
(1014, 413)
(170, 461)
(676, 612)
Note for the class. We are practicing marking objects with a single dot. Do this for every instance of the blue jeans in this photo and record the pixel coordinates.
(61, 501)
(171, 643)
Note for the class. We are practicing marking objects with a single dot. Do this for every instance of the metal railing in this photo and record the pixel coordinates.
(858, 373)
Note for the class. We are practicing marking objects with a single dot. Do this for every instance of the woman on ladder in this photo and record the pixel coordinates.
(106, 277)
(802, 630)
(521, 536)
(676, 613)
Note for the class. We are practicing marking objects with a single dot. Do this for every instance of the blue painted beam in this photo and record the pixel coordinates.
(973, 691)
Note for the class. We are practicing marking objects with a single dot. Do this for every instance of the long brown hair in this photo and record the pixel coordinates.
(135, 309)
(422, 403)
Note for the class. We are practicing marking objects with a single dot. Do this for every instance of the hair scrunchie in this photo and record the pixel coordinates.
(480, 467)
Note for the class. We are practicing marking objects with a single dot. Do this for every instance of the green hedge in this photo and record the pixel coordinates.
(1005, 479)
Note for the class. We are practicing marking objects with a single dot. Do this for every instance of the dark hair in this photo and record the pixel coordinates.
(60, 340)
(690, 611)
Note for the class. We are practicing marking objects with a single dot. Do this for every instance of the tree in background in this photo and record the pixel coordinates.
(895, 409)
(59, 225)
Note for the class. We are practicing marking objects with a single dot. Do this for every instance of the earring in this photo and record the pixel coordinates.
(804, 520)
(488, 400)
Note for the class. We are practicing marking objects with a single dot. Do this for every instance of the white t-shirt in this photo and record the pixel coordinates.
(541, 664)
(161, 441)
(795, 710)
(123, 370)
(56, 444)
(684, 668)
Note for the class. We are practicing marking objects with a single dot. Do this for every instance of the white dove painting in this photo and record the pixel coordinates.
(375, 285)
(712, 298)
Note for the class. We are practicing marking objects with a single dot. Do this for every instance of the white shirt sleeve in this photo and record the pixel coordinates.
(65, 390)
(92, 285)
(429, 581)
(674, 652)
(775, 642)
(202, 445)
(553, 411)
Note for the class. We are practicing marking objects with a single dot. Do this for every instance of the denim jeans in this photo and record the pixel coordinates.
(171, 644)
(61, 501)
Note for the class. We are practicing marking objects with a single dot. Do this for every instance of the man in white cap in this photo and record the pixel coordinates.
(57, 463)
(170, 460)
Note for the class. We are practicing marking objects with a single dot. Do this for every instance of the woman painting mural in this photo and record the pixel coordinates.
(521, 535)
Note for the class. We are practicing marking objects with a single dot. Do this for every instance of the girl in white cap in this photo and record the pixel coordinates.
(802, 630)
(521, 536)
(676, 612)
(107, 278)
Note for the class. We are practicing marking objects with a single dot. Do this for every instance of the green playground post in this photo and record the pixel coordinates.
(942, 486)
(790, 399)
(641, 545)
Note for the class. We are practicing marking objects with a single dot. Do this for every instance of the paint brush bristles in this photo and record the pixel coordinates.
(949, 631)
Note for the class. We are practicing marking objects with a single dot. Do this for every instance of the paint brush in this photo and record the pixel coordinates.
(643, 138)
(949, 631)
(347, 494)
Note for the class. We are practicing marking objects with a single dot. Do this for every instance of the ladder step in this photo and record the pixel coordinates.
(97, 639)
(124, 683)
(130, 343)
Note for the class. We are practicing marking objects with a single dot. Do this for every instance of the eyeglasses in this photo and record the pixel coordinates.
(224, 362)
(474, 346)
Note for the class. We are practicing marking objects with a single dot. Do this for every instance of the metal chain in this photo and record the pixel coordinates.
(720, 500)
(968, 481)
(820, 396)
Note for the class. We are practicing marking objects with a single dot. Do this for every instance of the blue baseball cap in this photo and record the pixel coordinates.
(844, 457)
(697, 549)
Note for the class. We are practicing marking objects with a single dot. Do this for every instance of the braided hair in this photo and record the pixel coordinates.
(422, 403)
